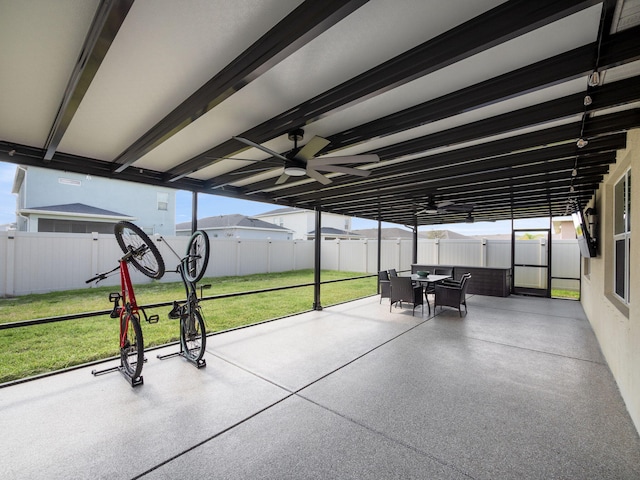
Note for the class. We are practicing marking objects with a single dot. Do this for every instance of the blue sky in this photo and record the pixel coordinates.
(212, 205)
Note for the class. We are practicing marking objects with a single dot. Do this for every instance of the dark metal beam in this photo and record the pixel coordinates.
(611, 95)
(302, 25)
(105, 26)
(503, 23)
(458, 172)
(619, 49)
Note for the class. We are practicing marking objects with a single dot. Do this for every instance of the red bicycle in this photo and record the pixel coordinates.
(140, 251)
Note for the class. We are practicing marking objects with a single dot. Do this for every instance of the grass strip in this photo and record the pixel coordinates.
(33, 350)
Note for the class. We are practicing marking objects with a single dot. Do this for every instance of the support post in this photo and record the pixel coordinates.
(414, 256)
(379, 268)
(316, 266)
(194, 212)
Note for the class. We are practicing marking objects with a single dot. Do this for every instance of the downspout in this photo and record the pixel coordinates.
(26, 219)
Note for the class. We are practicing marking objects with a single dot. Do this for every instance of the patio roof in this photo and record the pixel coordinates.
(481, 104)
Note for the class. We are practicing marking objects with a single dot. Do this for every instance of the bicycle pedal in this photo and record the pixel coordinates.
(153, 318)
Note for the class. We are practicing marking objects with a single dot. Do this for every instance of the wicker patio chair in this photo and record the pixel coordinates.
(451, 295)
(403, 290)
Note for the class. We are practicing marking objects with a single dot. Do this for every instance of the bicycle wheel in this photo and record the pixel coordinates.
(132, 353)
(146, 257)
(197, 257)
(193, 336)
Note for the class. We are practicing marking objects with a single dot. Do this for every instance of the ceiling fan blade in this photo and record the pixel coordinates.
(318, 176)
(260, 147)
(344, 160)
(338, 169)
(282, 178)
(267, 162)
(312, 147)
(250, 172)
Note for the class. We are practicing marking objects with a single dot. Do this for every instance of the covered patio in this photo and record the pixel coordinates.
(516, 389)
(447, 112)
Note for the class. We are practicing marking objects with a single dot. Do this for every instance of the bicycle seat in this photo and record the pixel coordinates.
(175, 311)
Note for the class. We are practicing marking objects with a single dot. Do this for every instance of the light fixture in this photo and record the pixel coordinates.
(582, 142)
(574, 172)
(594, 79)
(294, 171)
(587, 100)
(571, 189)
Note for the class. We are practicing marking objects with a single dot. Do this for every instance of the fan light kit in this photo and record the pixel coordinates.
(295, 171)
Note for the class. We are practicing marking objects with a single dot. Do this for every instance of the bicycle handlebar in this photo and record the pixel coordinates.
(102, 276)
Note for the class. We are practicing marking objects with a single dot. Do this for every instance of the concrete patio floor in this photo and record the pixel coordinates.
(516, 389)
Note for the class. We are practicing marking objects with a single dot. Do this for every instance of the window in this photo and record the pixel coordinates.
(163, 201)
(622, 235)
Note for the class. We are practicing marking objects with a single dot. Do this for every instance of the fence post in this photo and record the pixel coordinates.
(94, 252)
(238, 256)
(11, 263)
(295, 254)
(268, 255)
(437, 251)
(483, 253)
(366, 255)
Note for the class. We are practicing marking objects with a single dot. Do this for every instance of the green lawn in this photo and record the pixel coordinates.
(28, 351)
(568, 294)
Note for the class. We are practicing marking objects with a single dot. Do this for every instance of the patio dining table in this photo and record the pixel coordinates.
(429, 279)
(425, 281)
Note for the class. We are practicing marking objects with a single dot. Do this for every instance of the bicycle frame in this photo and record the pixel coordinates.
(185, 311)
(129, 307)
(129, 303)
(145, 257)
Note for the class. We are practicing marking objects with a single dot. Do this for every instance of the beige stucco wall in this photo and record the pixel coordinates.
(616, 326)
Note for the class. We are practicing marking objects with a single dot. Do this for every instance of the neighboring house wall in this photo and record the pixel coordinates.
(304, 221)
(617, 325)
(152, 207)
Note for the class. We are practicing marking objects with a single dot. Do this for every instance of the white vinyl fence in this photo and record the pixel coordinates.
(44, 262)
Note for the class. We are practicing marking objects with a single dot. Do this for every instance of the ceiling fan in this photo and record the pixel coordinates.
(301, 161)
(443, 207)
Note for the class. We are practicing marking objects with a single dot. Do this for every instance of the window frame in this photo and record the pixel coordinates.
(162, 200)
(622, 236)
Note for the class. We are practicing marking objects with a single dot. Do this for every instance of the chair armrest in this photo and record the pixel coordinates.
(440, 286)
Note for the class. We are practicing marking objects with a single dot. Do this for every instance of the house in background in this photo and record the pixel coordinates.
(54, 201)
(330, 233)
(303, 223)
(237, 226)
